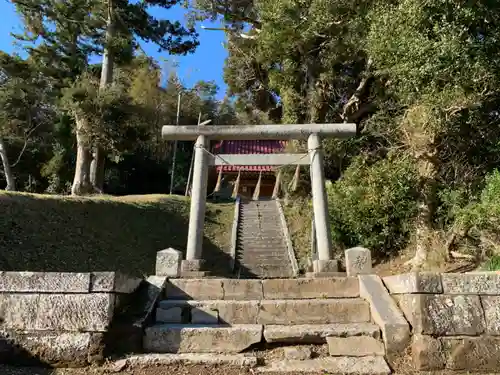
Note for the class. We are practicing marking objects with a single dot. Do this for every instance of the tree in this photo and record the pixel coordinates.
(442, 65)
(23, 109)
(70, 31)
(133, 19)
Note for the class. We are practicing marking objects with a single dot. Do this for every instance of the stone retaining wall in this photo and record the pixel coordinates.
(59, 318)
(455, 318)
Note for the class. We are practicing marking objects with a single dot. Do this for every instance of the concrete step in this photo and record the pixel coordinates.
(179, 338)
(360, 346)
(189, 359)
(289, 312)
(261, 250)
(269, 231)
(231, 289)
(373, 365)
(263, 261)
(261, 238)
(270, 273)
(263, 264)
(268, 240)
(263, 267)
(318, 333)
(262, 254)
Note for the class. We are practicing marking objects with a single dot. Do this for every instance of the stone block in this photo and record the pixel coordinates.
(196, 289)
(491, 306)
(443, 315)
(322, 275)
(196, 339)
(385, 313)
(415, 282)
(338, 287)
(193, 265)
(153, 286)
(18, 311)
(331, 265)
(472, 353)
(317, 333)
(75, 312)
(427, 353)
(297, 352)
(359, 346)
(58, 349)
(44, 282)
(319, 311)
(358, 261)
(113, 282)
(329, 365)
(242, 289)
(210, 359)
(238, 312)
(169, 315)
(485, 283)
(204, 315)
(229, 312)
(168, 262)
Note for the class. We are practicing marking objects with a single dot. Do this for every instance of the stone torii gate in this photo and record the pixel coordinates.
(202, 159)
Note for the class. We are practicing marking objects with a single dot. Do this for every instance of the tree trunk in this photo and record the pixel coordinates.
(423, 224)
(9, 177)
(97, 166)
(81, 182)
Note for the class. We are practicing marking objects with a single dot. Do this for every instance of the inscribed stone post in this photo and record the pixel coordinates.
(358, 261)
(168, 262)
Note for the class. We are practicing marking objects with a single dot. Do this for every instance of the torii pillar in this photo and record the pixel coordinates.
(202, 134)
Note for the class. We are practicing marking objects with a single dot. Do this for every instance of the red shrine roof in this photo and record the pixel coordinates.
(248, 147)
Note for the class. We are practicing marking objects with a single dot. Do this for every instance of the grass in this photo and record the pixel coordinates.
(493, 264)
(56, 233)
(298, 215)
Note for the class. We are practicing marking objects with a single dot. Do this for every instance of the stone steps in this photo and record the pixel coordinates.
(272, 312)
(264, 273)
(251, 289)
(372, 365)
(179, 338)
(318, 333)
(212, 320)
(261, 249)
(262, 257)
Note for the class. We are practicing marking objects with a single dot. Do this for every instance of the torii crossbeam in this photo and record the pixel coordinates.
(312, 132)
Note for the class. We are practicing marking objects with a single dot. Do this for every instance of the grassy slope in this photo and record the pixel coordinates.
(298, 215)
(53, 233)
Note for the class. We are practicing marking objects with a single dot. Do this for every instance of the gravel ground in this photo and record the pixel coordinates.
(161, 370)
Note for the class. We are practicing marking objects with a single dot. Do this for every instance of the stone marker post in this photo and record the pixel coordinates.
(358, 261)
(168, 262)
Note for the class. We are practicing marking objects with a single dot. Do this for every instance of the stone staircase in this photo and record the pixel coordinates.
(285, 325)
(261, 250)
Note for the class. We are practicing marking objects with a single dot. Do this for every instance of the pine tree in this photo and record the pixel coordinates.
(67, 33)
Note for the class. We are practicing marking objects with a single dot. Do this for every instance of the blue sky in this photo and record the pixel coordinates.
(205, 64)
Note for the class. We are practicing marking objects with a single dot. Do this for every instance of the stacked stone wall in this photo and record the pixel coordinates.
(57, 318)
(455, 319)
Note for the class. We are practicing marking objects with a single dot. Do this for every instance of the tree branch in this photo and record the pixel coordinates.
(26, 139)
(351, 109)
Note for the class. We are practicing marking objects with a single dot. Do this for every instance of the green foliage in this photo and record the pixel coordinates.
(493, 264)
(373, 205)
(483, 214)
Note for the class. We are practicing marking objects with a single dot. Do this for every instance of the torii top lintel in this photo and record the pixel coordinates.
(251, 132)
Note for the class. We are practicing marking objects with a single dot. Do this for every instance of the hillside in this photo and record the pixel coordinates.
(56, 233)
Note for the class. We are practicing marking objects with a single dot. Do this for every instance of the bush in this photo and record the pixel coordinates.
(374, 205)
(479, 221)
